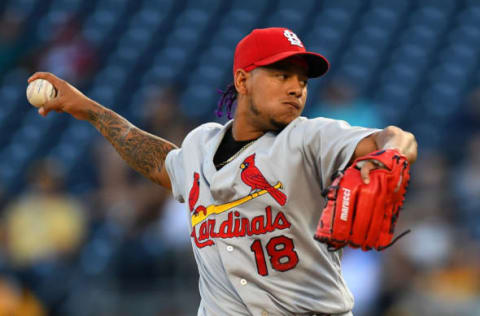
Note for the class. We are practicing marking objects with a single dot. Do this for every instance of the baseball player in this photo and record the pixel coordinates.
(253, 187)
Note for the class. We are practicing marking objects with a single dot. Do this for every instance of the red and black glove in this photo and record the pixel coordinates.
(364, 215)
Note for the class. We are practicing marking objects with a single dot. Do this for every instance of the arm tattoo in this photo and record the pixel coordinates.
(144, 152)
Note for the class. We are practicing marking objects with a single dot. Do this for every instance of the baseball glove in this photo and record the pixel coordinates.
(364, 215)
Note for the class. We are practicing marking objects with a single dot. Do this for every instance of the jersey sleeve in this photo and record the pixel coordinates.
(174, 163)
(182, 161)
(330, 144)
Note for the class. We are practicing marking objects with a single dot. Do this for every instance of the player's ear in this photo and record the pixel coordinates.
(240, 81)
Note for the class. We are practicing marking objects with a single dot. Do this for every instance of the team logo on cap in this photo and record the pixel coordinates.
(292, 38)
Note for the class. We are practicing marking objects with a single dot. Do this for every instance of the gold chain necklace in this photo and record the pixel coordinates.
(235, 155)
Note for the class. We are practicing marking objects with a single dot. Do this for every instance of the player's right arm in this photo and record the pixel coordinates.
(144, 152)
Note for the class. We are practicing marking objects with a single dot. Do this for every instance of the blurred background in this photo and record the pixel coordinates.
(82, 234)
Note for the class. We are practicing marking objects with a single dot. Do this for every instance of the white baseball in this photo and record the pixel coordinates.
(40, 91)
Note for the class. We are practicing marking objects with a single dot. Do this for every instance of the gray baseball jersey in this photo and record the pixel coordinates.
(252, 221)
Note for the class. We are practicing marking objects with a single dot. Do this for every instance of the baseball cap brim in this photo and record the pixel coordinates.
(317, 64)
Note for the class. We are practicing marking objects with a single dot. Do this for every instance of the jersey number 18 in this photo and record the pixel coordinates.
(281, 251)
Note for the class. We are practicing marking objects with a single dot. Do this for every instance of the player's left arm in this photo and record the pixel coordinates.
(390, 137)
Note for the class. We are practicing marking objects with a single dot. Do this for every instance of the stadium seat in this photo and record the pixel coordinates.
(112, 75)
(209, 75)
(199, 101)
(385, 18)
(173, 56)
(351, 6)
(98, 25)
(293, 20)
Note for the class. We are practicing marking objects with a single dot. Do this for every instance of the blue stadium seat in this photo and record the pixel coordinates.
(253, 6)
(194, 18)
(357, 73)
(37, 124)
(441, 101)
(394, 100)
(113, 75)
(414, 54)
(229, 36)
(420, 35)
(394, 93)
(373, 36)
(350, 6)
(104, 94)
(455, 76)
(397, 6)
(156, 7)
(137, 35)
(72, 144)
(466, 34)
(217, 55)
(337, 18)
(427, 133)
(401, 73)
(362, 55)
(184, 38)
(173, 56)
(462, 55)
(50, 23)
(443, 5)
(12, 163)
(286, 18)
(241, 18)
(209, 75)
(125, 55)
(24, 7)
(470, 16)
(18, 151)
(326, 36)
(11, 96)
(301, 6)
(385, 18)
(65, 5)
(159, 73)
(113, 6)
(471, 3)
(149, 19)
(205, 5)
(99, 24)
(66, 152)
(199, 101)
(432, 17)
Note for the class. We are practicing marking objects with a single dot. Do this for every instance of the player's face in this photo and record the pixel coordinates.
(277, 93)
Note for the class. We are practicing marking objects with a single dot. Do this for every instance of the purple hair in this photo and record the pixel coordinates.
(228, 99)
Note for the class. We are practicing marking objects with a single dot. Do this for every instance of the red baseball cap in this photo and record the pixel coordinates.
(263, 47)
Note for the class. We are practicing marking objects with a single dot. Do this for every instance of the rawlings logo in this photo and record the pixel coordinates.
(292, 38)
(345, 204)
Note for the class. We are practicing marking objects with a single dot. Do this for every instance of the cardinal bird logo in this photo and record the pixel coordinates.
(194, 191)
(193, 196)
(252, 177)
